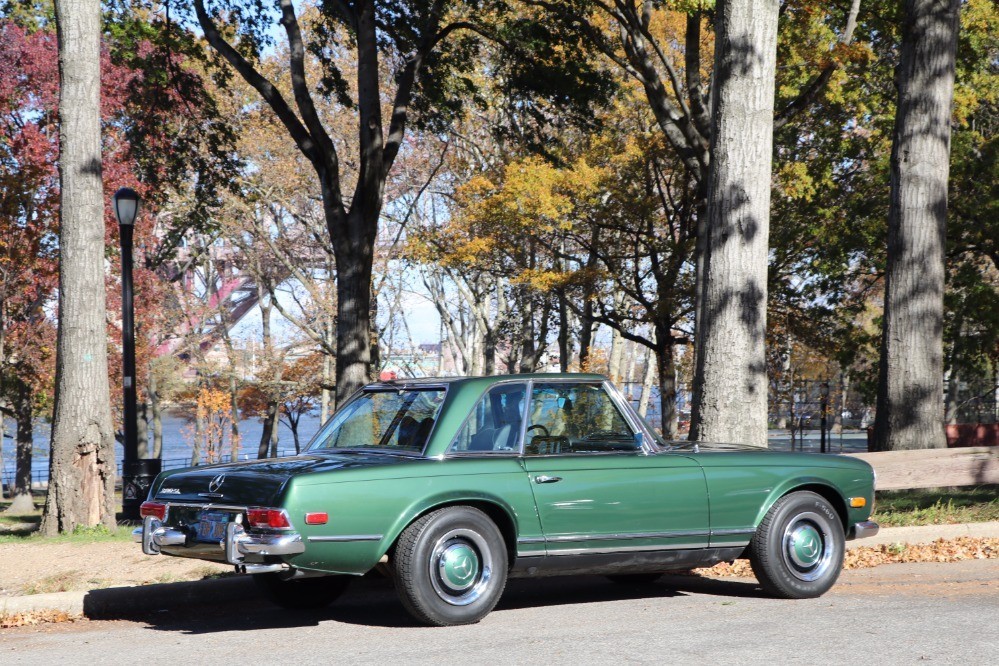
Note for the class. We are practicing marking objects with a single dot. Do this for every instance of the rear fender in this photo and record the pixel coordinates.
(488, 502)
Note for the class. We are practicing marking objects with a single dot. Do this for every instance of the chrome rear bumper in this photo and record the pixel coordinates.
(868, 528)
(236, 545)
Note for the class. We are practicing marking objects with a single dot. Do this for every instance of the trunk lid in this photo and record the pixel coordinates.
(254, 482)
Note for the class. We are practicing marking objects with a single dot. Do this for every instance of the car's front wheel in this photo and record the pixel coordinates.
(301, 593)
(450, 566)
(797, 551)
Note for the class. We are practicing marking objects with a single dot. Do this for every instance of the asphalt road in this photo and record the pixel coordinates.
(940, 613)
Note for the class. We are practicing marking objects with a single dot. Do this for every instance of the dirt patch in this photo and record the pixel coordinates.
(39, 568)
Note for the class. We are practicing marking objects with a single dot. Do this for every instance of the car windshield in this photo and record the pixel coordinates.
(396, 420)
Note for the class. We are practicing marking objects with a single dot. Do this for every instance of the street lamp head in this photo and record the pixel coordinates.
(126, 206)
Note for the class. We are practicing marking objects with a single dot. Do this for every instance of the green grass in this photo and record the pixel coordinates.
(23, 528)
(937, 506)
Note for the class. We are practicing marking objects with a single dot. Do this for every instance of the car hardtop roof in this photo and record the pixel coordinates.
(427, 382)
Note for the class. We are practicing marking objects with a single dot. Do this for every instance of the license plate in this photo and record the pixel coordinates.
(211, 528)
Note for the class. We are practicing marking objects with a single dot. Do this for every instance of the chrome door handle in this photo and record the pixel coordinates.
(547, 479)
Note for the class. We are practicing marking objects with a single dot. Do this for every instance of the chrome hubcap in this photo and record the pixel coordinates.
(806, 547)
(461, 566)
(458, 566)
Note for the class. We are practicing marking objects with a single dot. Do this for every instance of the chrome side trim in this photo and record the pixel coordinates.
(346, 538)
(744, 530)
(729, 544)
(868, 528)
(626, 549)
(531, 540)
(572, 538)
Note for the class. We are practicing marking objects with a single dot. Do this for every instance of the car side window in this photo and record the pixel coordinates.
(566, 417)
(495, 422)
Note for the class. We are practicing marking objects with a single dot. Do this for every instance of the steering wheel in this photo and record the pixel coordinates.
(538, 426)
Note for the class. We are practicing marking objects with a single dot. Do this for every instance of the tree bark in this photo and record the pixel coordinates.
(81, 465)
(142, 428)
(199, 436)
(157, 418)
(666, 366)
(648, 377)
(730, 400)
(269, 426)
(24, 410)
(910, 387)
(354, 251)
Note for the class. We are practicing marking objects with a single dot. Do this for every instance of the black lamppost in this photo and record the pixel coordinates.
(137, 475)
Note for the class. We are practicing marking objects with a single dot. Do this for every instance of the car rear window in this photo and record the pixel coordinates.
(383, 419)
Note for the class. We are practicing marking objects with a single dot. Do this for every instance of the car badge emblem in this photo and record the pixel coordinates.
(463, 568)
(169, 491)
(810, 548)
(216, 483)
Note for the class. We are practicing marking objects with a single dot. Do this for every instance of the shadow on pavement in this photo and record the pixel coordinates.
(373, 602)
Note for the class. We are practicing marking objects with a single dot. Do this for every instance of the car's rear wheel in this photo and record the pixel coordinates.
(797, 551)
(301, 593)
(450, 566)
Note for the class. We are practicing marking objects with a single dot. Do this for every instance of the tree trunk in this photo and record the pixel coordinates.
(528, 349)
(564, 350)
(844, 386)
(275, 431)
(293, 424)
(730, 400)
(199, 436)
(142, 428)
(647, 380)
(234, 410)
(910, 387)
(21, 492)
(157, 417)
(81, 464)
(269, 430)
(614, 360)
(326, 397)
(354, 256)
(666, 366)
(585, 335)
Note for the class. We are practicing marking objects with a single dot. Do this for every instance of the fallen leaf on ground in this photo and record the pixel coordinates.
(11, 620)
(865, 557)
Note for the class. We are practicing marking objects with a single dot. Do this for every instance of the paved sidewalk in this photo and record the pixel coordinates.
(927, 534)
(117, 602)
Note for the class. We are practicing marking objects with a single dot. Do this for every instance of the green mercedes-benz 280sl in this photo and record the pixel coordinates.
(453, 485)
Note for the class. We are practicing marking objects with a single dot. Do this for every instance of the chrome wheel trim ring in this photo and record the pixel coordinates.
(807, 547)
(463, 541)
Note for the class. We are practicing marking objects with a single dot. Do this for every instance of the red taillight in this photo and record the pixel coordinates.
(154, 509)
(317, 518)
(273, 518)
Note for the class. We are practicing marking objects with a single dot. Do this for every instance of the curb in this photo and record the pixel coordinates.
(927, 534)
(126, 602)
